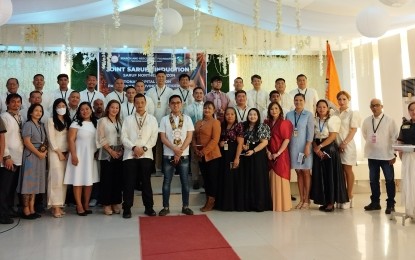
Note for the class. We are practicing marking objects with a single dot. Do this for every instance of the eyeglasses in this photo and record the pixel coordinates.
(375, 105)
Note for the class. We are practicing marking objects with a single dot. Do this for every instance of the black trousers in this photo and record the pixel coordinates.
(210, 176)
(8, 184)
(140, 169)
(111, 182)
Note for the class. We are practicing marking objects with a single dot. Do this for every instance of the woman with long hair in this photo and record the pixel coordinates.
(253, 165)
(230, 130)
(328, 183)
(81, 171)
(206, 144)
(300, 148)
(58, 126)
(279, 157)
(110, 157)
(32, 176)
(350, 121)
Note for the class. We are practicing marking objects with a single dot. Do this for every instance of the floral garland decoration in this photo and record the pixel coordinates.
(158, 19)
(298, 14)
(148, 50)
(68, 44)
(116, 14)
(256, 14)
(279, 18)
(210, 9)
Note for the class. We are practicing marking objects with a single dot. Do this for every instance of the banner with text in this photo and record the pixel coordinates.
(133, 66)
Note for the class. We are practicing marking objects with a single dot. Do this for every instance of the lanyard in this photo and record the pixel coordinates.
(39, 129)
(305, 93)
(92, 99)
(140, 125)
(321, 127)
(181, 92)
(18, 120)
(243, 115)
(117, 127)
(128, 109)
(64, 97)
(373, 123)
(123, 97)
(296, 119)
(158, 97)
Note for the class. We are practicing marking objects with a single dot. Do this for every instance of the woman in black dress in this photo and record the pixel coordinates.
(229, 161)
(256, 191)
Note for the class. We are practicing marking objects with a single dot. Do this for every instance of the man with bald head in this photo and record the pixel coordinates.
(380, 132)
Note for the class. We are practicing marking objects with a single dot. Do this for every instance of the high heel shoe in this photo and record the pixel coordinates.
(329, 208)
(305, 206)
(107, 210)
(82, 214)
(299, 205)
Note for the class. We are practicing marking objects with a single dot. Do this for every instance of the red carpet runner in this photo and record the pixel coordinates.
(182, 237)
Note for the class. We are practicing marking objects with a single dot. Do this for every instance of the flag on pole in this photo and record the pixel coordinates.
(332, 78)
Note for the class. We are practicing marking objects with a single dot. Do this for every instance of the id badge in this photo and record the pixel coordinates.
(373, 138)
(158, 104)
(295, 133)
(225, 146)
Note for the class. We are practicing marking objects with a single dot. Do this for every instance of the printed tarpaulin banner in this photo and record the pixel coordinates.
(133, 66)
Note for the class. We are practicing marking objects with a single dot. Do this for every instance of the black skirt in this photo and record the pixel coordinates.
(328, 184)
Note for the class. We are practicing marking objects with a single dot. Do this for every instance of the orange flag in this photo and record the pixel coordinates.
(332, 78)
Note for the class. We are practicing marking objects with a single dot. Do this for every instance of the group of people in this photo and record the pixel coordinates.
(243, 143)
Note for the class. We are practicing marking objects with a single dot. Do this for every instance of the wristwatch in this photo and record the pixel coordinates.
(145, 149)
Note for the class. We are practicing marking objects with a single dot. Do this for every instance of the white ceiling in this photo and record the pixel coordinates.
(330, 18)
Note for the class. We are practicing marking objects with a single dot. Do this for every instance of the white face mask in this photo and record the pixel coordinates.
(61, 111)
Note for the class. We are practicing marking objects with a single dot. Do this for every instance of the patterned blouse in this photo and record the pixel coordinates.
(263, 132)
(230, 135)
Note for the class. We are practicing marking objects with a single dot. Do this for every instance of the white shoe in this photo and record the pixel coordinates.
(93, 203)
(338, 205)
(345, 205)
(351, 203)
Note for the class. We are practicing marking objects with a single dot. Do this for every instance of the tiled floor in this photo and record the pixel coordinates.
(299, 234)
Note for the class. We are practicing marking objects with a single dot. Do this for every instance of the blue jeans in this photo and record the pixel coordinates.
(183, 169)
(374, 176)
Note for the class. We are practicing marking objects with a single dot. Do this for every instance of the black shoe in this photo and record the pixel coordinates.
(150, 212)
(196, 185)
(164, 212)
(389, 210)
(293, 198)
(6, 220)
(187, 211)
(322, 208)
(126, 213)
(37, 215)
(30, 217)
(88, 211)
(372, 206)
(82, 214)
(329, 209)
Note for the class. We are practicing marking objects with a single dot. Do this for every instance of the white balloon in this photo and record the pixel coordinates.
(372, 22)
(6, 10)
(172, 21)
(394, 3)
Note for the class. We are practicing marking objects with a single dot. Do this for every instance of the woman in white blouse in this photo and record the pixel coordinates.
(58, 126)
(110, 157)
(350, 121)
(328, 183)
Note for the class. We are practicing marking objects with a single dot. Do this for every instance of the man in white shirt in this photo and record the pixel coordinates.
(311, 96)
(380, 132)
(73, 103)
(176, 132)
(138, 136)
(128, 108)
(35, 97)
(141, 89)
(160, 96)
(241, 107)
(12, 86)
(118, 93)
(63, 91)
(286, 100)
(238, 84)
(195, 111)
(90, 94)
(12, 153)
(184, 91)
(257, 97)
(39, 83)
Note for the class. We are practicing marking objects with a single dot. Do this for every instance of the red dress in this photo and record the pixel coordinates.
(281, 130)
